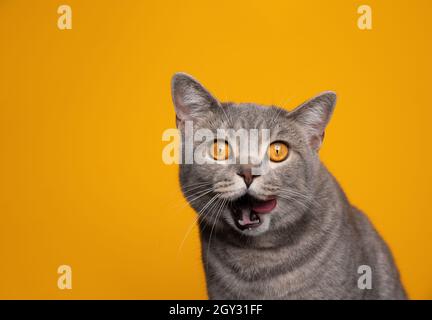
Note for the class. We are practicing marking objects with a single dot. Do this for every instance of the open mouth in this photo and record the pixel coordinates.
(246, 211)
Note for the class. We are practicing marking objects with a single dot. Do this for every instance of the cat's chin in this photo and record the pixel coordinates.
(251, 215)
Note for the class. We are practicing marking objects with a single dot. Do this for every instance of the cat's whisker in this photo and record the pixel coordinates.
(299, 195)
(195, 184)
(191, 190)
(298, 204)
(215, 197)
(208, 213)
(277, 115)
(188, 187)
(182, 202)
(220, 210)
(292, 198)
(196, 194)
(202, 194)
(203, 215)
(296, 193)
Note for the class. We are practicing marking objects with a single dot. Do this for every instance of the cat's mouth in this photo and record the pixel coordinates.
(247, 211)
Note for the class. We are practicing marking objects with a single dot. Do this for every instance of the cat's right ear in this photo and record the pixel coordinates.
(191, 100)
(314, 115)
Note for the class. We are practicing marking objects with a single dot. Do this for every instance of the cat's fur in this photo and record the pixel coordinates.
(312, 244)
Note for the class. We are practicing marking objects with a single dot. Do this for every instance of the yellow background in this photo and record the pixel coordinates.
(82, 112)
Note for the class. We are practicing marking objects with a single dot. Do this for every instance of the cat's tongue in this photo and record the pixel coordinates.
(264, 206)
(248, 218)
(246, 212)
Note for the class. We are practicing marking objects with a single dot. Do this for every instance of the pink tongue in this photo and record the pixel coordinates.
(246, 217)
(264, 206)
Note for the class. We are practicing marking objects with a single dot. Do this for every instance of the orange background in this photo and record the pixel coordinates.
(82, 113)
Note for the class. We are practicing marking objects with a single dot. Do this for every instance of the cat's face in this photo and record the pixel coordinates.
(259, 186)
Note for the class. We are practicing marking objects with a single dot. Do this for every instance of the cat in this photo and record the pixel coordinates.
(285, 232)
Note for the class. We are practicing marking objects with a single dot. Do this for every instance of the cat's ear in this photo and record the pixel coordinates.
(191, 99)
(314, 115)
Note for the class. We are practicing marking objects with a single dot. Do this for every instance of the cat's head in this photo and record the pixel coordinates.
(255, 187)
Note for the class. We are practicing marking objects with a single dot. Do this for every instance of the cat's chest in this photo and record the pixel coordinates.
(278, 274)
(257, 280)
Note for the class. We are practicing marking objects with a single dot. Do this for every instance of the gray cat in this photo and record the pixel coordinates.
(285, 232)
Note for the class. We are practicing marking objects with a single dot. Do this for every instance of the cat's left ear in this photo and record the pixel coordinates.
(314, 115)
(191, 100)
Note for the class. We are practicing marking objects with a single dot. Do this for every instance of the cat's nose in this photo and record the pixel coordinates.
(246, 174)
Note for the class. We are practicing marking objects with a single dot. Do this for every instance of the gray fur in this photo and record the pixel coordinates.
(313, 242)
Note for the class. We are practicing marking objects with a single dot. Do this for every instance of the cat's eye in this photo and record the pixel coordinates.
(278, 151)
(220, 150)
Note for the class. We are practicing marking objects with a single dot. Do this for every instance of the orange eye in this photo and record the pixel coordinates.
(278, 151)
(220, 150)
